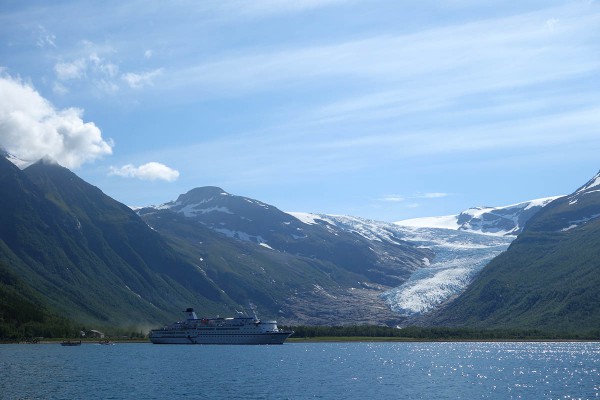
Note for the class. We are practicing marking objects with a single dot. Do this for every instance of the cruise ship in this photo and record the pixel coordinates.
(242, 329)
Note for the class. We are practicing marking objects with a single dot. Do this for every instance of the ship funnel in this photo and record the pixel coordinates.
(189, 312)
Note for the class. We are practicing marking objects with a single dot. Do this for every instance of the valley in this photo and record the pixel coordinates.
(91, 259)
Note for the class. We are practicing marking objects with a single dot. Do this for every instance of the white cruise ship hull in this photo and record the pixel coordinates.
(221, 338)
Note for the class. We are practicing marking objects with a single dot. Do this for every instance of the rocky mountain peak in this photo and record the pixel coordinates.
(593, 185)
(201, 195)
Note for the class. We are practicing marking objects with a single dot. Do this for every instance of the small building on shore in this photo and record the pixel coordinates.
(92, 333)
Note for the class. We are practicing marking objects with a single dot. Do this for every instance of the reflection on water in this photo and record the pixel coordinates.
(298, 371)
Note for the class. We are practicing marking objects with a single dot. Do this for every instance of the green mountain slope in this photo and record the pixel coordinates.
(89, 257)
(547, 279)
(246, 272)
(23, 313)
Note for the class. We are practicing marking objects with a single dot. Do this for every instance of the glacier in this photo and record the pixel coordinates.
(459, 256)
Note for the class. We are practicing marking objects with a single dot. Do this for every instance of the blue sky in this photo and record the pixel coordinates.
(379, 109)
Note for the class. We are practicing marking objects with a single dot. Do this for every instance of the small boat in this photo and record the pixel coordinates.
(71, 343)
(105, 342)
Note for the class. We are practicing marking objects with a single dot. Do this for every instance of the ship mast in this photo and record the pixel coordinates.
(253, 308)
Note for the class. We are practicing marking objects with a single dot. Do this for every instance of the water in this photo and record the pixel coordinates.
(302, 371)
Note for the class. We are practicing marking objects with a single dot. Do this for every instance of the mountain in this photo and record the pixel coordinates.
(255, 222)
(89, 257)
(502, 221)
(312, 271)
(68, 249)
(548, 278)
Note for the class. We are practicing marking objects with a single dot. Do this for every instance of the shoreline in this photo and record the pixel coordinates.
(419, 340)
(328, 339)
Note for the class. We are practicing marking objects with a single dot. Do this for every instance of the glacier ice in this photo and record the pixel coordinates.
(459, 256)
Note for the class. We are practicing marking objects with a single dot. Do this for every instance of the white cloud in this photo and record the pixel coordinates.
(91, 66)
(136, 81)
(150, 171)
(31, 128)
(434, 195)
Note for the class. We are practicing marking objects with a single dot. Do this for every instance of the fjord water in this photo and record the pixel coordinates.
(302, 371)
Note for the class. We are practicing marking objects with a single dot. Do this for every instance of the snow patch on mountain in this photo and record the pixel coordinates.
(443, 222)
(265, 245)
(19, 162)
(376, 231)
(310, 219)
(239, 235)
(577, 223)
(193, 210)
(498, 221)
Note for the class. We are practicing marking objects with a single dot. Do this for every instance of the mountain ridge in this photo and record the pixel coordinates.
(503, 220)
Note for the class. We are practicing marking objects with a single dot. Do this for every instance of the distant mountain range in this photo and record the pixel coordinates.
(77, 253)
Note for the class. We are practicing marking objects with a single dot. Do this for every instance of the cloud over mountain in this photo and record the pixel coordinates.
(150, 171)
(31, 128)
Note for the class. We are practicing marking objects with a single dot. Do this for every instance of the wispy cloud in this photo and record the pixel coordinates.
(150, 171)
(94, 66)
(31, 128)
(395, 198)
(91, 66)
(44, 38)
(71, 70)
(138, 80)
(447, 62)
(269, 7)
